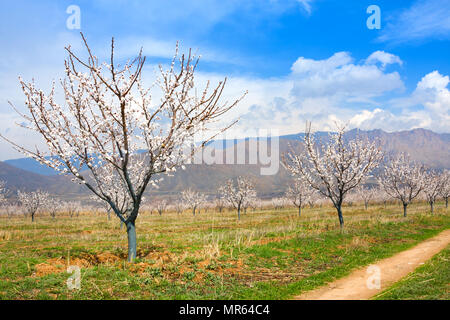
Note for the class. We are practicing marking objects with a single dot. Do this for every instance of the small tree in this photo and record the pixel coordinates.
(109, 117)
(72, 208)
(445, 190)
(402, 179)
(255, 204)
(432, 187)
(148, 207)
(33, 201)
(238, 195)
(219, 204)
(192, 199)
(366, 194)
(11, 209)
(179, 206)
(161, 206)
(279, 203)
(334, 168)
(54, 206)
(299, 194)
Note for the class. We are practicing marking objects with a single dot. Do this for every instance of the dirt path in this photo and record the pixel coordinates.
(362, 284)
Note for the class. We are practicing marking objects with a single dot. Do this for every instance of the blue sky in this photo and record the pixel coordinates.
(299, 59)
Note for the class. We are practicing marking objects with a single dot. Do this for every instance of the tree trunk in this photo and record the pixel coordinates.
(132, 244)
(32, 217)
(366, 204)
(405, 205)
(299, 211)
(341, 218)
(193, 211)
(239, 212)
(446, 203)
(432, 207)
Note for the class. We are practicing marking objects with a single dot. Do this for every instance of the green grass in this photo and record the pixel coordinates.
(269, 254)
(430, 281)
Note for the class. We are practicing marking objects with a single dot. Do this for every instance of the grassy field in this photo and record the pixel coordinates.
(429, 282)
(267, 255)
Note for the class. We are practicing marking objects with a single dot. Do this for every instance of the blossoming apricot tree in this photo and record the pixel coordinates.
(110, 118)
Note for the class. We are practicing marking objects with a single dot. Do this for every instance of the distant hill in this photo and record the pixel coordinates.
(31, 165)
(18, 179)
(425, 146)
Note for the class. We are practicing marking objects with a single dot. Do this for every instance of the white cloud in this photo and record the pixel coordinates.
(354, 94)
(386, 120)
(434, 80)
(384, 58)
(336, 88)
(431, 95)
(322, 91)
(305, 66)
(339, 77)
(425, 19)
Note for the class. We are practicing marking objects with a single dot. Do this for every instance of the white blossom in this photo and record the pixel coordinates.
(445, 189)
(192, 199)
(402, 179)
(299, 193)
(240, 194)
(432, 187)
(279, 203)
(33, 201)
(366, 194)
(54, 206)
(72, 208)
(161, 206)
(334, 168)
(112, 136)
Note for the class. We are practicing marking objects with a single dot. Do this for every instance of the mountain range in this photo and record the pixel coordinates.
(425, 146)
